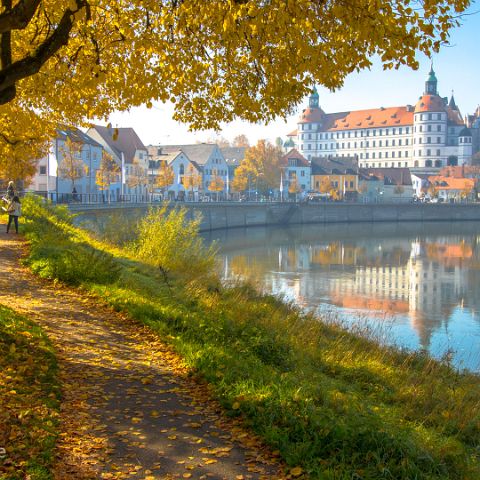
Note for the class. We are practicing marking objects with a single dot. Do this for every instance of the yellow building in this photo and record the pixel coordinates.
(336, 176)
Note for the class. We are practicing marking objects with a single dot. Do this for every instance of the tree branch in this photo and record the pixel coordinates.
(32, 63)
(18, 17)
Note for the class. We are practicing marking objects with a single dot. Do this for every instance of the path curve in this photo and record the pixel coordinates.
(129, 410)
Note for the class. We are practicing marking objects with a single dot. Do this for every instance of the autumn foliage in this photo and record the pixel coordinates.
(73, 61)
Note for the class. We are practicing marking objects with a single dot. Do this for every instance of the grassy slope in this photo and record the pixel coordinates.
(29, 399)
(338, 405)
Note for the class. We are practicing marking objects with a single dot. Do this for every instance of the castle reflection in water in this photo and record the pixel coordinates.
(424, 278)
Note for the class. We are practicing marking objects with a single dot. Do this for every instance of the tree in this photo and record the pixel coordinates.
(260, 167)
(432, 190)
(76, 60)
(137, 175)
(18, 168)
(192, 179)
(294, 187)
(165, 176)
(72, 167)
(241, 141)
(325, 184)
(279, 142)
(216, 183)
(108, 172)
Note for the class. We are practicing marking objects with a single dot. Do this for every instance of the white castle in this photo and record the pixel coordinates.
(431, 134)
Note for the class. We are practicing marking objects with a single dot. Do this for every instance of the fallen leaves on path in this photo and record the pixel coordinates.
(129, 409)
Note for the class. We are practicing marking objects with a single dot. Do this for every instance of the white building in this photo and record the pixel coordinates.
(430, 134)
(130, 155)
(207, 159)
(47, 180)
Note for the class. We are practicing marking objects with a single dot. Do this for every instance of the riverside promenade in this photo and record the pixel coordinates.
(225, 215)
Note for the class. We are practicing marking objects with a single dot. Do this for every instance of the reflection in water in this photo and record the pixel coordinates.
(422, 278)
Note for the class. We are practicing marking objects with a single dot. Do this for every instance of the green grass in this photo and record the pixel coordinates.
(29, 399)
(336, 404)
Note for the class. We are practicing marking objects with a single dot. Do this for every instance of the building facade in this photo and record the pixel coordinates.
(48, 178)
(429, 134)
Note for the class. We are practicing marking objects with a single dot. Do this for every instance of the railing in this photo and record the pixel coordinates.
(111, 198)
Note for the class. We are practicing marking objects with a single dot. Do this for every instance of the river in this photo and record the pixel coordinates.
(414, 285)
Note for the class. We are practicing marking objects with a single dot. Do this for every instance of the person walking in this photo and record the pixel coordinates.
(14, 210)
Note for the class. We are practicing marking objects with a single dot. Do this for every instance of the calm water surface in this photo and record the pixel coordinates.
(418, 284)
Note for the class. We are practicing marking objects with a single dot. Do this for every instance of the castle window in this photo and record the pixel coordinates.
(407, 130)
(379, 154)
(439, 116)
(379, 143)
(439, 128)
(373, 155)
(399, 154)
(374, 133)
(400, 131)
(393, 132)
(373, 143)
(438, 153)
(429, 139)
(386, 143)
(439, 140)
(386, 154)
(393, 143)
(399, 164)
(421, 129)
(429, 128)
(393, 154)
(400, 142)
(428, 163)
(386, 131)
(415, 164)
(428, 152)
(406, 153)
(429, 116)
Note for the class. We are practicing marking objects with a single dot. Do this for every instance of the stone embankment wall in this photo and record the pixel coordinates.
(233, 215)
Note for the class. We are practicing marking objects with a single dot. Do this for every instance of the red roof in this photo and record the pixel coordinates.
(294, 153)
(430, 103)
(371, 118)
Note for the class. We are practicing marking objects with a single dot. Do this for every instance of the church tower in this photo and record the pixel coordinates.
(431, 83)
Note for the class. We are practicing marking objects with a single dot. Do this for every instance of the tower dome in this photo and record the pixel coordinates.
(430, 103)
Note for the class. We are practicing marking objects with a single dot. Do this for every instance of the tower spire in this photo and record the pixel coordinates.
(431, 83)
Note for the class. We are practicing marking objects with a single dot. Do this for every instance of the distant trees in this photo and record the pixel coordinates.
(137, 175)
(216, 183)
(108, 172)
(165, 176)
(260, 168)
(72, 167)
(192, 180)
(241, 141)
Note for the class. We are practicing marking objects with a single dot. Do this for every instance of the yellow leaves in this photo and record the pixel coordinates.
(236, 405)
(296, 472)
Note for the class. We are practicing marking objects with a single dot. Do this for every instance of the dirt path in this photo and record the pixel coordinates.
(128, 411)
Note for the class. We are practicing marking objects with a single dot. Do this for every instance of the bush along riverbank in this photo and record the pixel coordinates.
(335, 405)
(29, 399)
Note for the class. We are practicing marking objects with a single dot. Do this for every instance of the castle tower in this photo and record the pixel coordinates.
(465, 147)
(430, 127)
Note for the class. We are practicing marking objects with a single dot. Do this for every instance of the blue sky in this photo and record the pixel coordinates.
(457, 67)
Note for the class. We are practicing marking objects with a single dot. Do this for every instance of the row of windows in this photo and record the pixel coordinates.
(429, 140)
(379, 154)
(432, 116)
(222, 173)
(356, 133)
(428, 163)
(429, 128)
